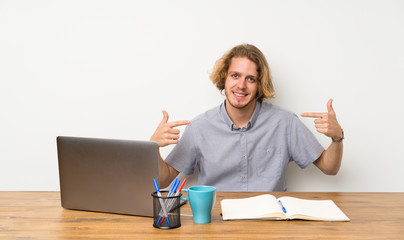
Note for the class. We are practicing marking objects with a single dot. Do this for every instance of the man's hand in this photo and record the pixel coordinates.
(326, 122)
(166, 133)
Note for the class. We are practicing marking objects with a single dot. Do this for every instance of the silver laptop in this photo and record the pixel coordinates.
(105, 175)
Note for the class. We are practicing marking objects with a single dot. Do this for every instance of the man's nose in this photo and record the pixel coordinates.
(241, 84)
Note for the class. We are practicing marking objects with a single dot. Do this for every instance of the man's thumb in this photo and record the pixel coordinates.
(165, 117)
(330, 109)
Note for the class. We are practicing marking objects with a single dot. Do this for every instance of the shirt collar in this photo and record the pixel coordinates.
(230, 123)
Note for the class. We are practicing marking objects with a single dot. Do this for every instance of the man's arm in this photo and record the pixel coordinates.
(166, 173)
(326, 123)
(165, 135)
(330, 160)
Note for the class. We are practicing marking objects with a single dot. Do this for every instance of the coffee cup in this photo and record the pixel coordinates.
(202, 199)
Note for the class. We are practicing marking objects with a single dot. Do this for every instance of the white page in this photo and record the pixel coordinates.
(250, 208)
(319, 209)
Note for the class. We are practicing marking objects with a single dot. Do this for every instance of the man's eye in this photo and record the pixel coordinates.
(235, 75)
(251, 79)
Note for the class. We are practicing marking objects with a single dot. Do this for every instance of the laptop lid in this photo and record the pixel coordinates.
(106, 175)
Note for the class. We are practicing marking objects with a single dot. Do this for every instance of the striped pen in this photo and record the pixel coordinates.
(163, 207)
(173, 188)
(177, 193)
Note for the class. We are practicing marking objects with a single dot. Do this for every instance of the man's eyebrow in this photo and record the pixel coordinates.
(234, 71)
(253, 76)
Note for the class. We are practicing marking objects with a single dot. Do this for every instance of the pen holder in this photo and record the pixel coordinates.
(166, 211)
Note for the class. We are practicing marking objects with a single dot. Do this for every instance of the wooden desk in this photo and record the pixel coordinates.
(38, 215)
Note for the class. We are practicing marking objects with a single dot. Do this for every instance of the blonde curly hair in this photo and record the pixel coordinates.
(221, 67)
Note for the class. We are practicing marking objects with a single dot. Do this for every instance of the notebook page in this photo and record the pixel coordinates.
(315, 209)
(250, 208)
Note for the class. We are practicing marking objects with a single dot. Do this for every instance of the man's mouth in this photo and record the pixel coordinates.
(240, 94)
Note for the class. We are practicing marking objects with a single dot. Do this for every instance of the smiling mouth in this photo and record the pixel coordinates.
(240, 94)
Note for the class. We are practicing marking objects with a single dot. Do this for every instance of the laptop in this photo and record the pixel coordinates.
(107, 175)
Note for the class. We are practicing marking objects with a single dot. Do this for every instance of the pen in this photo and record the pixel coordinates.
(163, 207)
(171, 203)
(173, 187)
(180, 187)
(283, 208)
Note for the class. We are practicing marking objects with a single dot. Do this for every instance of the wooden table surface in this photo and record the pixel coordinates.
(39, 215)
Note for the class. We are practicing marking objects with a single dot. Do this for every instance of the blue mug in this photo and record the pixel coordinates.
(202, 200)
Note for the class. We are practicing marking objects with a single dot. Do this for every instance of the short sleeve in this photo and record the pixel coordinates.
(304, 147)
(183, 156)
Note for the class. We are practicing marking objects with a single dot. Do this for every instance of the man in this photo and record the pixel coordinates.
(245, 144)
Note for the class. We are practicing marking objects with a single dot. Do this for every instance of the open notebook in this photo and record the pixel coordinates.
(268, 207)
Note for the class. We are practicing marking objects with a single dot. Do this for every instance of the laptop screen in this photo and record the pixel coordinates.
(107, 175)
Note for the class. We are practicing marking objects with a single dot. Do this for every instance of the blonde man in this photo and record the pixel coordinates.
(245, 143)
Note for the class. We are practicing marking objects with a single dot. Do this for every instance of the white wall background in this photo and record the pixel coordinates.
(108, 68)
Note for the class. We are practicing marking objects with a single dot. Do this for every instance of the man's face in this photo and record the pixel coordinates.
(241, 84)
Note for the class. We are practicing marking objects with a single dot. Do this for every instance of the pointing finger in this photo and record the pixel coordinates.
(179, 123)
(312, 114)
